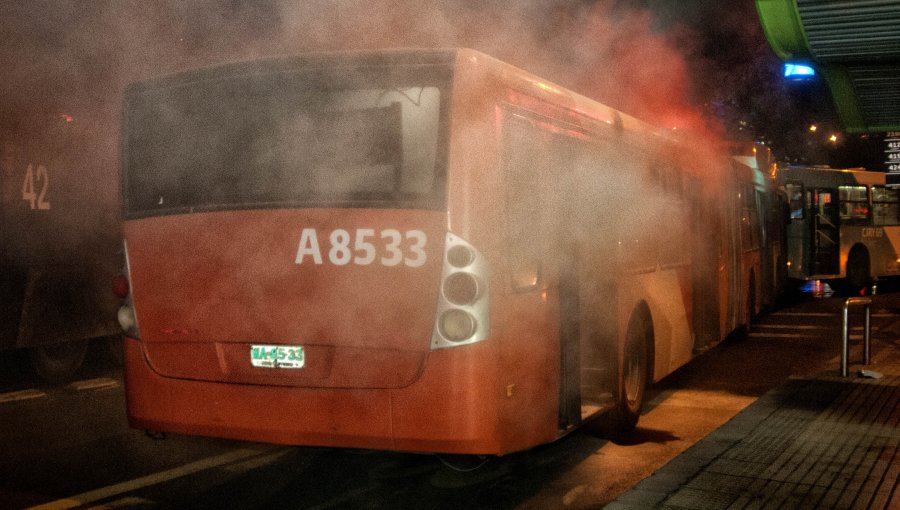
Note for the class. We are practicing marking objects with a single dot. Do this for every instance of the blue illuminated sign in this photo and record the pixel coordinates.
(798, 71)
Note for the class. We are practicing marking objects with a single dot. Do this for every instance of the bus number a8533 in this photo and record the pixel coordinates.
(364, 247)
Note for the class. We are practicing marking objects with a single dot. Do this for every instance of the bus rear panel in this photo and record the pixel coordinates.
(286, 234)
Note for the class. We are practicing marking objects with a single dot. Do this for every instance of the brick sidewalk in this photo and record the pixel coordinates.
(827, 442)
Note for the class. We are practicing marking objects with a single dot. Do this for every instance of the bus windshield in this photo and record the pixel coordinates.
(290, 139)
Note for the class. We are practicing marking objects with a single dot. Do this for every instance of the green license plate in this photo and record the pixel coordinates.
(277, 356)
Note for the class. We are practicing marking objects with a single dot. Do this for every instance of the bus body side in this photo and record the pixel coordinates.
(371, 378)
(844, 226)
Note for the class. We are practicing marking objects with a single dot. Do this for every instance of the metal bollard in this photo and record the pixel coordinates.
(845, 351)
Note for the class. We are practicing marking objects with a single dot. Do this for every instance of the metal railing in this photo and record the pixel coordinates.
(845, 350)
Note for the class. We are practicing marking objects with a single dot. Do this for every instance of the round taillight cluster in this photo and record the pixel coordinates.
(457, 325)
(462, 289)
(460, 256)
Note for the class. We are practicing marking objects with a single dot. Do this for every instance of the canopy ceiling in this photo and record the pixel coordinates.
(853, 44)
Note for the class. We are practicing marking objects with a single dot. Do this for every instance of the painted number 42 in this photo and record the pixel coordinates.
(390, 247)
(35, 186)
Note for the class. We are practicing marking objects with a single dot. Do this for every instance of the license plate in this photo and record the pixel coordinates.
(277, 356)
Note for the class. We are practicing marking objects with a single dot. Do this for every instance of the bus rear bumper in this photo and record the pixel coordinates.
(409, 419)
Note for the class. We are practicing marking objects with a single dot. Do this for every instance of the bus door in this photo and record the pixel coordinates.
(549, 228)
(588, 280)
(825, 241)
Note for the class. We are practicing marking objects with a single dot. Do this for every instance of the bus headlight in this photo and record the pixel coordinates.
(457, 325)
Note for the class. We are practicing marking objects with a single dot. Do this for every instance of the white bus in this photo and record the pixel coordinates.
(844, 226)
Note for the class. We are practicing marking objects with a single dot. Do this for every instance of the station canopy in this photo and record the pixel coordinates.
(853, 44)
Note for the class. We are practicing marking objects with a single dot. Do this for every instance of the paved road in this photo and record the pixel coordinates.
(70, 445)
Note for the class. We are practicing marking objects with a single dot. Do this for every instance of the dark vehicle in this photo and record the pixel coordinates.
(59, 247)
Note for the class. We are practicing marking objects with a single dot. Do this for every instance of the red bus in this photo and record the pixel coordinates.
(60, 242)
(418, 250)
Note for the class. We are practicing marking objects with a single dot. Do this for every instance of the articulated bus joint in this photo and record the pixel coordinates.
(463, 308)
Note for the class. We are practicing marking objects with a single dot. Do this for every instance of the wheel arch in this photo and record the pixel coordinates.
(857, 250)
(857, 269)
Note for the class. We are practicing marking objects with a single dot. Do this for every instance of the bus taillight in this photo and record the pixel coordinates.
(462, 288)
(463, 311)
(120, 286)
(457, 325)
(122, 289)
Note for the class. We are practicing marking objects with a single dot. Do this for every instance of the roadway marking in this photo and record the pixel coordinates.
(805, 314)
(94, 384)
(99, 383)
(17, 396)
(96, 495)
(125, 503)
(780, 335)
(798, 335)
(808, 327)
(788, 326)
(826, 314)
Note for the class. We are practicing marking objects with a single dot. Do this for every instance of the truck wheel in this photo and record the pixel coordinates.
(56, 363)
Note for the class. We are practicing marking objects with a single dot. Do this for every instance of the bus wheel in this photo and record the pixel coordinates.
(635, 376)
(56, 363)
(858, 274)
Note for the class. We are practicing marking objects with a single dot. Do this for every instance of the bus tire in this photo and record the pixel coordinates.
(858, 272)
(635, 378)
(58, 362)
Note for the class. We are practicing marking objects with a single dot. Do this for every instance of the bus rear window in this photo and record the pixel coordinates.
(282, 140)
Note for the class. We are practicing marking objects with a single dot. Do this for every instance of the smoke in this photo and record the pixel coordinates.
(597, 49)
(75, 58)
(607, 50)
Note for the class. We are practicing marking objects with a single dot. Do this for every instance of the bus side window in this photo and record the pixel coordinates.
(526, 161)
(795, 197)
(886, 206)
(750, 228)
(854, 202)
